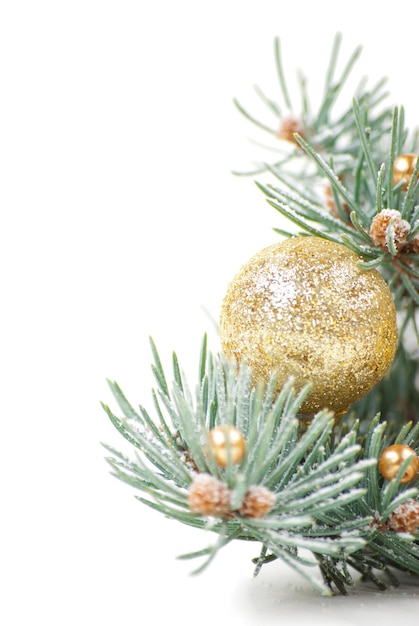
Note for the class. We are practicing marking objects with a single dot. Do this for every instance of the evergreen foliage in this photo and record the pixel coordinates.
(332, 506)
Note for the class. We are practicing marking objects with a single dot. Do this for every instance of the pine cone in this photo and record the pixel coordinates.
(379, 229)
(405, 518)
(289, 126)
(257, 502)
(209, 496)
(413, 245)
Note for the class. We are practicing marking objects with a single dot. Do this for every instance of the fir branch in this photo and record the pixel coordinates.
(319, 501)
(326, 488)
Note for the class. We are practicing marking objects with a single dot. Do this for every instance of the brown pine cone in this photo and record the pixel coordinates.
(379, 229)
(257, 502)
(405, 518)
(209, 496)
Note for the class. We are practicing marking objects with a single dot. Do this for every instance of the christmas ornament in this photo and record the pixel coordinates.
(380, 225)
(304, 308)
(226, 442)
(403, 168)
(392, 459)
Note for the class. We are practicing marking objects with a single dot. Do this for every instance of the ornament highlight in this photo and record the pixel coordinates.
(392, 459)
(403, 168)
(304, 308)
(226, 443)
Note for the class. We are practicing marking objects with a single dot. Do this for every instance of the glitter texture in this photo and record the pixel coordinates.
(304, 308)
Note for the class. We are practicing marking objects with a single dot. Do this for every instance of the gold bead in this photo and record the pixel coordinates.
(403, 167)
(304, 308)
(392, 459)
(226, 443)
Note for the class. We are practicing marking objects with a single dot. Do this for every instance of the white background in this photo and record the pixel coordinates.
(120, 219)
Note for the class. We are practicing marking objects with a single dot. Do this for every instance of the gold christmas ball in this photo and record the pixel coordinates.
(403, 167)
(392, 459)
(304, 308)
(226, 442)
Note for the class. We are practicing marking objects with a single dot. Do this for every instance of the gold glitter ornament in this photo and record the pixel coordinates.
(392, 459)
(226, 442)
(304, 308)
(403, 167)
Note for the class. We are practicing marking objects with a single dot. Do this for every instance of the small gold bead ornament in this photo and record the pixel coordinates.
(226, 443)
(403, 168)
(392, 459)
(305, 308)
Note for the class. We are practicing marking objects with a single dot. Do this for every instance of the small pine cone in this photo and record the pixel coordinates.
(413, 245)
(405, 518)
(257, 502)
(289, 126)
(379, 228)
(209, 496)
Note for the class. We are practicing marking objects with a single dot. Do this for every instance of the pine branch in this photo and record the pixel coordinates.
(335, 135)
(327, 495)
(309, 492)
(351, 181)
